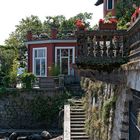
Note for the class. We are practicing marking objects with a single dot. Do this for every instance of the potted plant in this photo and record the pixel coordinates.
(27, 79)
(135, 15)
(80, 24)
(110, 24)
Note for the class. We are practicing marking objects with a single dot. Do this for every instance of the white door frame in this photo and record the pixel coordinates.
(33, 62)
(73, 56)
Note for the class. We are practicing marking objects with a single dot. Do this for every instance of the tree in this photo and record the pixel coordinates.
(18, 38)
(63, 24)
(9, 65)
(124, 12)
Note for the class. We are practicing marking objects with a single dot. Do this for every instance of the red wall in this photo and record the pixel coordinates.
(113, 11)
(50, 53)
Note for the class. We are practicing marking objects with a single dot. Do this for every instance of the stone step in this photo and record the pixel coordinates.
(77, 125)
(78, 134)
(78, 104)
(79, 138)
(77, 101)
(77, 122)
(78, 116)
(76, 107)
(82, 129)
(77, 113)
(77, 110)
(77, 119)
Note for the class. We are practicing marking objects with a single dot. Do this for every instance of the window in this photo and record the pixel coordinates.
(110, 4)
(64, 57)
(39, 62)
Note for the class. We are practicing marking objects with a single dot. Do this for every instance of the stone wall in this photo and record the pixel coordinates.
(99, 103)
(36, 109)
(108, 110)
(121, 119)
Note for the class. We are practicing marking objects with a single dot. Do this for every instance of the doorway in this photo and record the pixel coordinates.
(64, 57)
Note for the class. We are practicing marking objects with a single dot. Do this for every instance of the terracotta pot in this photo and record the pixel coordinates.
(107, 26)
(54, 32)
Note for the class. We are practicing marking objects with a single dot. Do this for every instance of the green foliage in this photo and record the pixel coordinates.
(108, 104)
(27, 79)
(9, 65)
(55, 70)
(6, 81)
(2, 90)
(124, 12)
(98, 125)
(47, 108)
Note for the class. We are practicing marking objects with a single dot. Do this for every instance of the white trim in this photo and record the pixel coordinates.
(73, 56)
(50, 41)
(33, 63)
(112, 5)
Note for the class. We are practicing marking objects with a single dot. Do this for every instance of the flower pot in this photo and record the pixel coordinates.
(107, 26)
(135, 15)
(54, 32)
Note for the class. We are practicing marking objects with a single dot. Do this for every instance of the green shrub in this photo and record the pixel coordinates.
(2, 90)
(110, 103)
(27, 79)
(6, 81)
(55, 70)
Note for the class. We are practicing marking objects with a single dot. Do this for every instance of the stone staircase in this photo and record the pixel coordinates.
(77, 121)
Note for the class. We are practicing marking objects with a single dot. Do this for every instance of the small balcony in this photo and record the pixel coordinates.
(102, 50)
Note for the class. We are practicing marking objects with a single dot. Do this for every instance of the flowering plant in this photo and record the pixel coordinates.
(135, 14)
(110, 20)
(80, 24)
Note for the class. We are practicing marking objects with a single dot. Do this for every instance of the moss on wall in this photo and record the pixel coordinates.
(99, 102)
(27, 109)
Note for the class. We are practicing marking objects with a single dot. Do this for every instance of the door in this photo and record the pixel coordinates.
(64, 65)
(39, 62)
(64, 57)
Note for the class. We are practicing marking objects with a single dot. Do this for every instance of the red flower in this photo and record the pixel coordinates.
(101, 21)
(113, 20)
(138, 10)
(79, 23)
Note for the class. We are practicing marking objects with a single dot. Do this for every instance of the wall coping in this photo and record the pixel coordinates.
(67, 122)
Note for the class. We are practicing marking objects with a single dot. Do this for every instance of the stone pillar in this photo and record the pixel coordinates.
(29, 36)
(54, 32)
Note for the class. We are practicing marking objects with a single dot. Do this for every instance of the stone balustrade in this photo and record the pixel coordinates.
(98, 49)
(101, 47)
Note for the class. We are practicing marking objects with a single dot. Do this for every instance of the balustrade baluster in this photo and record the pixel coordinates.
(94, 45)
(90, 53)
(111, 47)
(98, 48)
(104, 47)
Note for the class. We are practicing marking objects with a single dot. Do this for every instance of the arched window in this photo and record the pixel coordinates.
(110, 4)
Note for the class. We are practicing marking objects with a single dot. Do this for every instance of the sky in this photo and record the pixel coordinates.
(12, 11)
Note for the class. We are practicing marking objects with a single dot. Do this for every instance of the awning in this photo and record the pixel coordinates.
(99, 2)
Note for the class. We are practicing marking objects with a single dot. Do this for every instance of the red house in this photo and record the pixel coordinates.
(44, 51)
(109, 6)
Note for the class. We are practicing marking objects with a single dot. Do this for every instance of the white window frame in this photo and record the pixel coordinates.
(33, 58)
(73, 56)
(112, 5)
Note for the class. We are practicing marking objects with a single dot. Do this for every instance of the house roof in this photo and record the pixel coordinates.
(99, 2)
